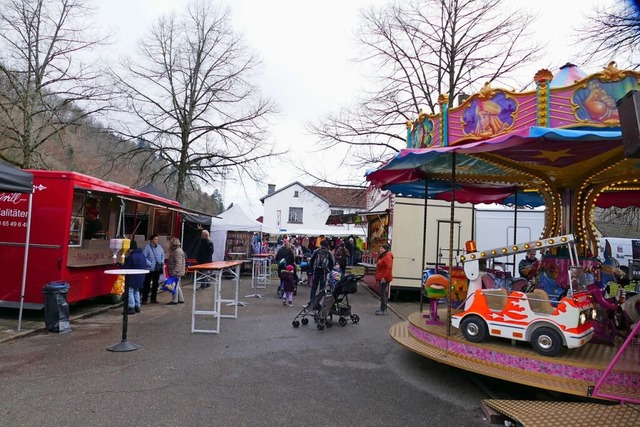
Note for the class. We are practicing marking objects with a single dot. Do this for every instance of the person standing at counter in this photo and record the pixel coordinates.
(93, 226)
(177, 266)
(154, 254)
(136, 260)
(384, 276)
(205, 253)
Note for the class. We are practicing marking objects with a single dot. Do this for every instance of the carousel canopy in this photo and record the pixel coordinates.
(489, 171)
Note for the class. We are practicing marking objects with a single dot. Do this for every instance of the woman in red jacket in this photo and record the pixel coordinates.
(384, 276)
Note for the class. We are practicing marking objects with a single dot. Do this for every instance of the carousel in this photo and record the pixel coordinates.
(560, 146)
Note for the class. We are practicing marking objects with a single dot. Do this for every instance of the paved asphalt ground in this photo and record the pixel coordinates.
(259, 371)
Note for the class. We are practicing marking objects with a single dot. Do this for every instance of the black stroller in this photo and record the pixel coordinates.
(330, 302)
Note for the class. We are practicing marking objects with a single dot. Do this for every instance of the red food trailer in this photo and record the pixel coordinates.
(73, 217)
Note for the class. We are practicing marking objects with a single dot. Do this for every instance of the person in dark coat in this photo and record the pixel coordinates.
(320, 269)
(135, 260)
(284, 257)
(205, 254)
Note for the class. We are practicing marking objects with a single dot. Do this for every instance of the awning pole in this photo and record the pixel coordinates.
(424, 239)
(515, 228)
(24, 266)
(451, 231)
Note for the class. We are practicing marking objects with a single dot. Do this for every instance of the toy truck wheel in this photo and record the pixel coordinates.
(474, 329)
(546, 342)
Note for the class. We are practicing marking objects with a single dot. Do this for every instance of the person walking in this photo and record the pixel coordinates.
(384, 276)
(284, 257)
(154, 253)
(205, 255)
(288, 284)
(342, 256)
(321, 263)
(134, 260)
(177, 267)
(350, 246)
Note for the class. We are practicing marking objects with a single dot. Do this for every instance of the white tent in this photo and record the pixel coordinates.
(233, 219)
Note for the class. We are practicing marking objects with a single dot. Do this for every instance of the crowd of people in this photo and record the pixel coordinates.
(143, 289)
(325, 265)
(323, 260)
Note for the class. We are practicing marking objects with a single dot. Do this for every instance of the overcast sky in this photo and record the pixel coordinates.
(306, 49)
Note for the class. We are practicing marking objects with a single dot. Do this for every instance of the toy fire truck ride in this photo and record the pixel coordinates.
(528, 317)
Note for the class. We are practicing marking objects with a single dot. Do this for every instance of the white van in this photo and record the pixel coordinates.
(624, 250)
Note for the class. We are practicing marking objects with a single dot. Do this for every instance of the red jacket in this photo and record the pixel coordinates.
(384, 267)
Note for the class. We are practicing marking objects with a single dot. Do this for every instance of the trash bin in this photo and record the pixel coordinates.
(56, 308)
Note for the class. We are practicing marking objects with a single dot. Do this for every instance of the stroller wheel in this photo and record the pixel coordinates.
(355, 318)
(329, 323)
(342, 321)
(305, 321)
(295, 323)
(320, 326)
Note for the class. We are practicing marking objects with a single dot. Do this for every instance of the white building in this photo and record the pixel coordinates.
(304, 209)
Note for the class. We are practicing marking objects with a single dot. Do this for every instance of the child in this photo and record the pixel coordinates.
(288, 284)
(334, 276)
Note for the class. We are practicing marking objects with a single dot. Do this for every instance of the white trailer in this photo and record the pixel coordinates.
(407, 234)
(495, 226)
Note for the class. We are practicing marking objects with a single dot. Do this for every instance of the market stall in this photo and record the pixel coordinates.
(232, 234)
(74, 218)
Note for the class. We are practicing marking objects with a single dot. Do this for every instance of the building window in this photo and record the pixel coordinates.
(295, 215)
(337, 211)
(295, 194)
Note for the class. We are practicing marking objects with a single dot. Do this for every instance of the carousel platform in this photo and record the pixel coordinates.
(573, 371)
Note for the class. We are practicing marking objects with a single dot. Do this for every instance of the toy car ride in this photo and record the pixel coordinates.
(528, 316)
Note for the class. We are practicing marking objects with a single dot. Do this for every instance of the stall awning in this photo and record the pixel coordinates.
(355, 218)
(143, 198)
(15, 180)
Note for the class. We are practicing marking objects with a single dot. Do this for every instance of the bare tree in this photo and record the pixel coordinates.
(198, 115)
(612, 32)
(44, 87)
(417, 51)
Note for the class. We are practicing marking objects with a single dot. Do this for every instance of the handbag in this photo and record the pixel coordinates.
(159, 265)
(171, 284)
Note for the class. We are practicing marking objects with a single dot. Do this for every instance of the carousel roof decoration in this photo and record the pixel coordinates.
(558, 145)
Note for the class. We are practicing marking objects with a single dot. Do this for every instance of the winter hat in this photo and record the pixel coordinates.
(289, 267)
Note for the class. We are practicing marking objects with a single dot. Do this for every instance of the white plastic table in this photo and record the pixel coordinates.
(260, 273)
(213, 271)
(124, 344)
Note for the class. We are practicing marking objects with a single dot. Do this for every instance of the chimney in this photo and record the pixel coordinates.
(271, 189)
(462, 97)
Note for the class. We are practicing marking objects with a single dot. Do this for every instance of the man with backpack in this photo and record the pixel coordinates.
(321, 263)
